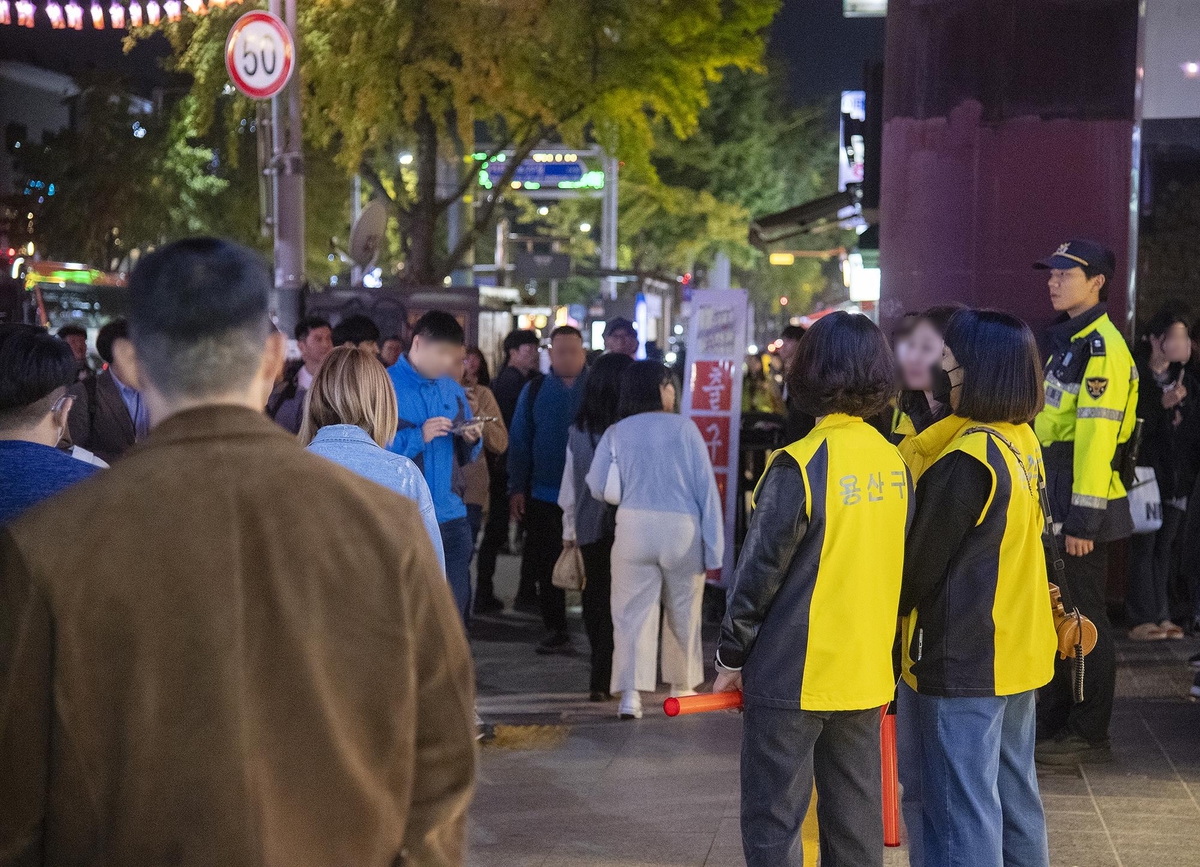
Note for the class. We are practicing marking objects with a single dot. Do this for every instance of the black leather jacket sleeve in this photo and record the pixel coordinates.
(776, 529)
(951, 496)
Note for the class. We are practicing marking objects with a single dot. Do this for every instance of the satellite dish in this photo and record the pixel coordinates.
(367, 235)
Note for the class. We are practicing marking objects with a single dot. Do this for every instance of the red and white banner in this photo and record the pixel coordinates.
(712, 392)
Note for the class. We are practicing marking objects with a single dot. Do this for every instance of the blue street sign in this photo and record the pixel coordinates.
(544, 174)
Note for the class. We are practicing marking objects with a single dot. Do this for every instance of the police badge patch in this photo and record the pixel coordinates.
(1096, 386)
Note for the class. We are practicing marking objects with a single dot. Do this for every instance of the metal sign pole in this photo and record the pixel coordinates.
(608, 226)
(288, 162)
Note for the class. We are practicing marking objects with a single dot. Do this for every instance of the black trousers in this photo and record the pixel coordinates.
(543, 544)
(495, 532)
(597, 610)
(1087, 578)
(782, 752)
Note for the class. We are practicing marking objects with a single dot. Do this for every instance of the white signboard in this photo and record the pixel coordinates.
(712, 392)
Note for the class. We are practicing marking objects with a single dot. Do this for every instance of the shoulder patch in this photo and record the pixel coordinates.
(1096, 344)
(1096, 386)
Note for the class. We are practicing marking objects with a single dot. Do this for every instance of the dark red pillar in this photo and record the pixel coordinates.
(1007, 129)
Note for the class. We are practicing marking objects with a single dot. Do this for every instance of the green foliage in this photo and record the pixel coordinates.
(425, 75)
(114, 191)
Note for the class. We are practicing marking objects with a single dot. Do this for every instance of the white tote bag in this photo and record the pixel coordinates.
(612, 481)
(1145, 502)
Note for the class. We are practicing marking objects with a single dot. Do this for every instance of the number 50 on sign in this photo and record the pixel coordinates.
(260, 54)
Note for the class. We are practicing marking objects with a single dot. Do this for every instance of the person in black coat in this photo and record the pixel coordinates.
(1169, 406)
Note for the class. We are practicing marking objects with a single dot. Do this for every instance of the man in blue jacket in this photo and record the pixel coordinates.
(433, 409)
(537, 452)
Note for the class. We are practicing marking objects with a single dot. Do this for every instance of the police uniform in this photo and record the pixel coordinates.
(1091, 386)
(810, 623)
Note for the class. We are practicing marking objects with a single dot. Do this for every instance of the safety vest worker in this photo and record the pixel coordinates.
(810, 621)
(1091, 404)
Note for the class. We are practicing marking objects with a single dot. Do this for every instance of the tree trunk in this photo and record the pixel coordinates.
(422, 268)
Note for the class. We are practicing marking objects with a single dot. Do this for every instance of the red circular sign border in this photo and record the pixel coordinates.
(288, 50)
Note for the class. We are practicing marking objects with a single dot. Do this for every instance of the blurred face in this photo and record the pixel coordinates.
(1072, 291)
(622, 342)
(471, 366)
(567, 356)
(667, 389)
(390, 353)
(123, 364)
(1174, 344)
(787, 350)
(434, 359)
(315, 346)
(78, 344)
(916, 353)
(524, 358)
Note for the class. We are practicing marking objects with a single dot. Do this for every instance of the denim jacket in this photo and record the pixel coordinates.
(351, 446)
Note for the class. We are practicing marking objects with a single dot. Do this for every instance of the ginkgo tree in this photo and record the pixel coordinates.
(449, 79)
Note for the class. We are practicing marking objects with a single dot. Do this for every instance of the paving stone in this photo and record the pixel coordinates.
(664, 793)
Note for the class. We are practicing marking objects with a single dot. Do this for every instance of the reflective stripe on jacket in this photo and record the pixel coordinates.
(812, 613)
(1091, 408)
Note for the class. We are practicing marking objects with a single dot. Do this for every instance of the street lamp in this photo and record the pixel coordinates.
(585, 227)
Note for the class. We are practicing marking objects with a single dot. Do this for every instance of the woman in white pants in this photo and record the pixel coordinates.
(654, 465)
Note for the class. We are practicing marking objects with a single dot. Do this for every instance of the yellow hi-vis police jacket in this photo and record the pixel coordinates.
(812, 615)
(975, 571)
(1091, 408)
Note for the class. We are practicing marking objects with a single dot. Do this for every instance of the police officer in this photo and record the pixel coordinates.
(1091, 404)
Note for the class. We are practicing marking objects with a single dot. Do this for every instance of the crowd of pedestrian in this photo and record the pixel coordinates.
(280, 574)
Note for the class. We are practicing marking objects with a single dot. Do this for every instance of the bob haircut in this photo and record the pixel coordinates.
(602, 394)
(640, 388)
(352, 387)
(843, 365)
(1002, 372)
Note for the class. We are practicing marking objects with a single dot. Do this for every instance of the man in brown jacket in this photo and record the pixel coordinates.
(261, 663)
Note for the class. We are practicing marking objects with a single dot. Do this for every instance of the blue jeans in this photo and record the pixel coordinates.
(460, 547)
(911, 758)
(979, 787)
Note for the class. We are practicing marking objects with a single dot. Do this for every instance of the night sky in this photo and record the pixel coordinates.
(822, 52)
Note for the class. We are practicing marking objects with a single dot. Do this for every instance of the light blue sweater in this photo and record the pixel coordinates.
(351, 446)
(664, 467)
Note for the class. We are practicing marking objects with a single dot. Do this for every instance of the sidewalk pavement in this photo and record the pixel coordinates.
(566, 783)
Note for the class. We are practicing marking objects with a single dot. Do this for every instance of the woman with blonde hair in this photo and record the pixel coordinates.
(350, 418)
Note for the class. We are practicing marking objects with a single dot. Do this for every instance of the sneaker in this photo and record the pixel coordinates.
(488, 605)
(1170, 630)
(1071, 750)
(1194, 661)
(556, 643)
(680, 692)
(1147, 632)
(483, 731)
(631, 705)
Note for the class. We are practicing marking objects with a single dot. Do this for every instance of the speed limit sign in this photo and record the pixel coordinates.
(260, 54)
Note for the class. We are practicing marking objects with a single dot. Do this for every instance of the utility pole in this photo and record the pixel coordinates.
(608, 226)
(287, 157)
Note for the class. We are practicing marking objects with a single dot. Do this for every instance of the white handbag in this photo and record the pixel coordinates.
(612, 481)
(1145, 502)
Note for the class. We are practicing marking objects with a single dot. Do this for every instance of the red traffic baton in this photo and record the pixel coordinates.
(887, 750)
(702, 703)
(891, 780)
